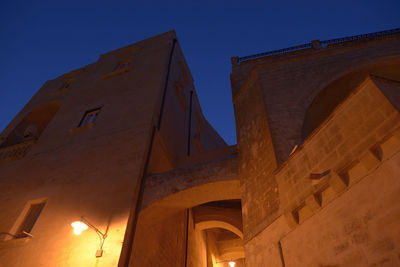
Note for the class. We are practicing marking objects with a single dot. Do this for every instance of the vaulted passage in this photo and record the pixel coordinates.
(191, 217)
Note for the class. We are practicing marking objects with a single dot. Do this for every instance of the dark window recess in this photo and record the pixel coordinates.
(122, 65)
(65, 85)
(89, 117)
(30, 220)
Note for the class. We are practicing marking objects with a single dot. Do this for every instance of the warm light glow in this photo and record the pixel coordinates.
(232, 264)
(79, 227)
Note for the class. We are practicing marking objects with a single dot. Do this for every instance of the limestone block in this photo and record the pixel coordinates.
(396, 135)
(337, 183)
(313, 202)
(292, 218)
(390, 146)
(369, 160)
(355, 173)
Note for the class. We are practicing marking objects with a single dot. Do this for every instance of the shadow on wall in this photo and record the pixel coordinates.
(32, 126)
(333, 94)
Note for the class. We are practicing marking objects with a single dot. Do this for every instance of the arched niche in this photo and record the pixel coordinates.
(33, 124)
(337, 91)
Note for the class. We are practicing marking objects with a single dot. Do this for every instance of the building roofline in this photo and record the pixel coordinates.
(318, 44)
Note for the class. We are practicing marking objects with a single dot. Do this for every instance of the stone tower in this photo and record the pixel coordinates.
(83, 143)
(318, 136)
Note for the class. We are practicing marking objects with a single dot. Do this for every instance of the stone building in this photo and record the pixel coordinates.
(123, 146)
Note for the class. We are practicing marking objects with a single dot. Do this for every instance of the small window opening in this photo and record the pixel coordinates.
(123, 64)
(66, 84)
(89, 117)
(30, 219)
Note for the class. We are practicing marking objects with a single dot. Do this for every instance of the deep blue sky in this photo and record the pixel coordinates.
(43, 39)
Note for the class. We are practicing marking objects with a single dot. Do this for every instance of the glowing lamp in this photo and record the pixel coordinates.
(79, 227)
(84, 224)
(232, 264)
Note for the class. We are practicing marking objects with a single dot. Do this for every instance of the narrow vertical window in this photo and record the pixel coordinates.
(30, 219)
(27, 219)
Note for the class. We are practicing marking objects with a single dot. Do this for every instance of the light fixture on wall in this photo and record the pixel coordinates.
(232, 263)
(79, 227)
(82, 225)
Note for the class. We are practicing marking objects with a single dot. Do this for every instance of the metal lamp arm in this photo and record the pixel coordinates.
(94, 227)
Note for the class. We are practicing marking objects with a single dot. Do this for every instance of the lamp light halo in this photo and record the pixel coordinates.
(79, 227)
(232, 264)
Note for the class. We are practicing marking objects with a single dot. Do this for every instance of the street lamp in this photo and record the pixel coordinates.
(79, 227)
(82, 225)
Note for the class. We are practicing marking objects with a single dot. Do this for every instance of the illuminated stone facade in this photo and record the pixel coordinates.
(313, 180)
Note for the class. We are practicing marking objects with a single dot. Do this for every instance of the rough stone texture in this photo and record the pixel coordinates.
(332, 201)
(357, 229)
(291, 81)
(162, 185)
(333, 167)
(160, 242)
(169, 194)
(93, 171)
(90, 173)
(263, 249)
(197, 245)
(260, 199)
(356, 126)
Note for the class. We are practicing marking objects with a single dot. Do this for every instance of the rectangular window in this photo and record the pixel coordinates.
(89, 117)
(30, 219)
(27, 219)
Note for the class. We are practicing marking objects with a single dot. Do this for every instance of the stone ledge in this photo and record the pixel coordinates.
(60, 92)
(82, 128)
(116, 73)
(322, 169)
(341, 182)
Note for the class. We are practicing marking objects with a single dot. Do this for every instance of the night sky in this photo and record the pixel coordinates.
(41, 40)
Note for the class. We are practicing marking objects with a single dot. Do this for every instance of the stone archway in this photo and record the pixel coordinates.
(166, 218)
(33, 124)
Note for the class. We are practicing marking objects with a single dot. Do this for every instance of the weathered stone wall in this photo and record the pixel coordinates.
(344, 143)
(260, 201)
(358, 229)
(181, 110)
(197, 245)
(88, 171)
(160, 242)
(291, 81)
(167, 197)
(338, 191)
